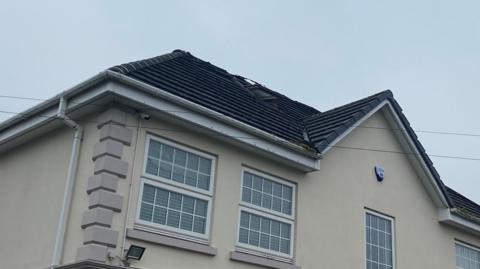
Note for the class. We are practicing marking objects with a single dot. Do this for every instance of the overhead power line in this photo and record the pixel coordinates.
(452, 133)
(255, 138)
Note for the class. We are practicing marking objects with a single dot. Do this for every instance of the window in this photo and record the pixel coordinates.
(467, 257)
(178, 165)
(176, 189)
(379, 241)
(266, 214)
(266, 193)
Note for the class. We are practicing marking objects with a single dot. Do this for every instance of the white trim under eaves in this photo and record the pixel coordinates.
(449, 217)
(143, 94)
(407, 142)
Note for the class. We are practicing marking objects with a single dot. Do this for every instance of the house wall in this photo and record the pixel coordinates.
(330, 203)
(330, 208)
(32, 178)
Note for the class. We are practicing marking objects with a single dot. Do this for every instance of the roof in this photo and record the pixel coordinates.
(189, 77)
(186, 76)
(464, 205)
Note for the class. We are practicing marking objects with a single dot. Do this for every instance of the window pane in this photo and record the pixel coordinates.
(165, 170)
(467, 258)
(264, 241)
(266, 193)
(247, 180)
(161, 198)
(257, 198)
(192, 162)
(277, 189)
(264, 232)
(188, 204)
(244, 220)
(186, 222)
(253, 238)
(167, 153)
(173, 209)
(205, 165)
(180, 157)
(191, 178)
(146, 212)
(199, 225)
(154, 149)
(203, 181)
(247, 195)
(173, 218)
(243, 238)
(257, 183)
(201, 208)
(285, 246)
(148, 194)
(178, 165)
(178, 174)
(152, 166)
(175, 201)
(265, 226)
(255, 222)
(160, 215)
(379, 251)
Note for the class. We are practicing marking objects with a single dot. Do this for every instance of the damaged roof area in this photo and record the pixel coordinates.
(191, 78)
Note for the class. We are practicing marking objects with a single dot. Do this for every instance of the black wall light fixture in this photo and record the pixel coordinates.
(135, 252)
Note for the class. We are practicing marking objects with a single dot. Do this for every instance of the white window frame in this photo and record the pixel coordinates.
(180, 188)
(212, 158)
(465, 245)
(274, 179)
(267, 213)
(392, 228)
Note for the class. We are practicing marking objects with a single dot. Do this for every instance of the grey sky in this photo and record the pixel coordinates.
(323, 53)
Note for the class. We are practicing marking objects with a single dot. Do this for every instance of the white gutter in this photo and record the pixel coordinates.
(448, 216)
(216, 115)
(69, 182)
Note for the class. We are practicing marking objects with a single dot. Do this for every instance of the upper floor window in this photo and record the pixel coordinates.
(178, 164)
(266, 214)
(176, 189)
(467, 257)
(379, 241)
(267, 193)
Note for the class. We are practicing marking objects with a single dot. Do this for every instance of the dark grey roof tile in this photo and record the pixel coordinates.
(188, 77)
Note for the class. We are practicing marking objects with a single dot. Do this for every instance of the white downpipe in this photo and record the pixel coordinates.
(69, 183)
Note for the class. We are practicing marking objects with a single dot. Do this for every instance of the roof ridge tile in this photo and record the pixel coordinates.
(137, 65)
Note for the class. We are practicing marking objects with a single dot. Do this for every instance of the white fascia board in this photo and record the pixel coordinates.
(279, 149)
(45, 113)
(39, 109)
(154, 98)
(211, 113)
(349, 130)
(429, 180)
(449, 217)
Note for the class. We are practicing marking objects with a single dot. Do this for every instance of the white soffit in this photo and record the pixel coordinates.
(85, 94)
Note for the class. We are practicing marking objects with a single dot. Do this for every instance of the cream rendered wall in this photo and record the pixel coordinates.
(330, 208)
(32, 179)
(330, 229)
(225, 202)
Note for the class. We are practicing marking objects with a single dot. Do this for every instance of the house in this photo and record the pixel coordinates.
(194, 167)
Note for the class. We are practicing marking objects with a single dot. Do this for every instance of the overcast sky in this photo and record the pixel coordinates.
(322, 53)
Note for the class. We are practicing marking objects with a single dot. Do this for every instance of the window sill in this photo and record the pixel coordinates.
(171, 242)
(257, 260)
